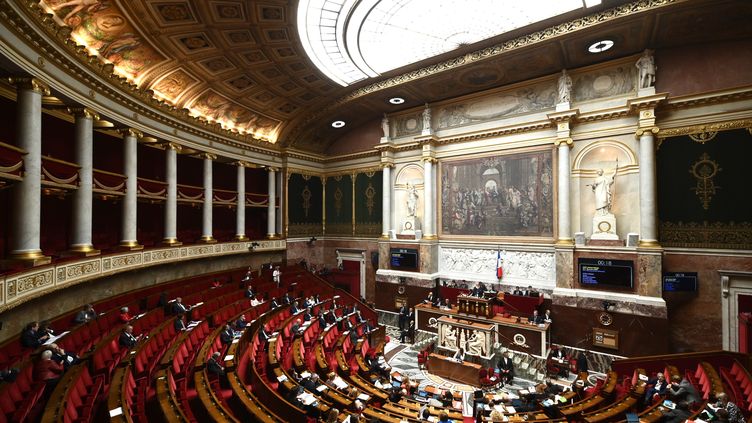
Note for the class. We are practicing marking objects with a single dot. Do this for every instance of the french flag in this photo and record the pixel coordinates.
(499, 270)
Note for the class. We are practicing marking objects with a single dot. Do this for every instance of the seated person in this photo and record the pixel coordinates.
(274, 303)
(530, 292)
(459, 355)
(127, 339)
(180, 322)
(85, 315)
(294, 307)
(429, 299)
(307, 315)
(679, 414)
(47, 370)
(255, 301)
(658, 388)
(322, 320)
(59, 355)
(444, 418)
(446, 305)
(354, 336)
(734, 412)
(263, 335)
(227, 335)
(32, 337)
(125, 316)
(682, 390)
(295, 327)
(286, 299)
(358, 317)
(312, 382)
(547, 317)
(446, 398)
(517, 291)
(536, 318)
(558, 360)
(250, 293)
(213, 366)
(241, 323)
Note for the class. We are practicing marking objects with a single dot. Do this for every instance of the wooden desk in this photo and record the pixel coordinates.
(475, 306)
(449, 368)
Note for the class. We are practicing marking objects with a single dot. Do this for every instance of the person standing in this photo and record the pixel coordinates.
(277, 276)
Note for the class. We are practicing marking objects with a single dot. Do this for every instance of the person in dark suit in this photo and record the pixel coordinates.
(517, 291)
(679, 414)
(178, 306)
(263, 335)
(582, 363)
(682, 390)
(227, 335)
(180, 322)
(558, 359)
(85, 315)
(307, 315)
(249, 293)
(31, 337)
(274, 303)
(59, 355)
(658, 388)
(127, 338)
(506, 368)
(322, 321)
(286, 299)
(536, 318)
(402, 316)
(311, 383)
(294, 308)
(354, 336)
(213, 366)
(430, 299)
(241, 323)
(295, 327)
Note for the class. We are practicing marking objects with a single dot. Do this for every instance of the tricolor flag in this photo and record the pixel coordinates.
(499, 270)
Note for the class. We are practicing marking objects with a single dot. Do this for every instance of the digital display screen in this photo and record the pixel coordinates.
(403, 258)
(605, 272)
(680, 281)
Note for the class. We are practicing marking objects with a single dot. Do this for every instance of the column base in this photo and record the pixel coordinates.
(565, 241)
(241, 238)
(171, 242)
(207, 239)
(648, 243)
(271, 236)
(25, 259)
(81, 251)
(130, 246)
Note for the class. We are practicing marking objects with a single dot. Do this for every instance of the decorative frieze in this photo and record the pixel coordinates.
(519, 267)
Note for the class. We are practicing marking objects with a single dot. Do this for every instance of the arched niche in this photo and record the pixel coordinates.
(409, 175)
(603, 154)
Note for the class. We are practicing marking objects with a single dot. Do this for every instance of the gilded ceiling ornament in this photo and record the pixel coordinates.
(703, 137)
(370, 194)
(704, 170)
(306, 194)
(338, 201)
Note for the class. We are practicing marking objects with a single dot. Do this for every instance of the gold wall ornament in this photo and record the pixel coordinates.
(306, 194)
(370, 194)
(703, 137)
(704, 170)
(338, 201)
(706, 235)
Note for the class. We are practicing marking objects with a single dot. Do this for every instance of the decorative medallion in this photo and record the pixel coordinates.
(519, 339)
(306, 194)
(704, 170)
(370, 194)
(703, 137)
(338, 201)
(605, 319)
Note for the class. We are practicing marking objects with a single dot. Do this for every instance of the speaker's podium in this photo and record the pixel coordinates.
(475, 306)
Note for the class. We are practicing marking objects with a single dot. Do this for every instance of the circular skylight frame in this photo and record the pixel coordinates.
(601, 46)
(337, 124)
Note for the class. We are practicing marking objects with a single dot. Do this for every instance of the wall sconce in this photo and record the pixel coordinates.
(312, 241)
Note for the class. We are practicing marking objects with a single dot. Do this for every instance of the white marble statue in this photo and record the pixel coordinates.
(565, 87)
(647, 68)
(601, 187)
(412, 200)
(450, 337)
(477, 343)
(427, 119)
(385, 126)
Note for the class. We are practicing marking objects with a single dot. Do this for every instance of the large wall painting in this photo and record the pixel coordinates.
(509, 195)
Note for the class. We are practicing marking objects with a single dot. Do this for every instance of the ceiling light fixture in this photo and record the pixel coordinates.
(600, 46)
(396, 100)
(338, 124)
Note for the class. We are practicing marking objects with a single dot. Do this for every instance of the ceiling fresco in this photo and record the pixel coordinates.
(240, 63)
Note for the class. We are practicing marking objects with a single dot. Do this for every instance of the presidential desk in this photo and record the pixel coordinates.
(449, 368)
(512, 332)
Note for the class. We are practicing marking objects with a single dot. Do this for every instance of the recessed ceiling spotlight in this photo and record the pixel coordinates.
(600, 46)
(396, 100)
(338, 123)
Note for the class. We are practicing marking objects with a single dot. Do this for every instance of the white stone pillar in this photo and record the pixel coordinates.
(27, 193)
(429, 231)
(171, 204)
(271, 210)
(563, 177)
(648, 203)
(129, 218)
(386, 201)
(278, 217)
(240, 216)
(207, 211)
(83, 196)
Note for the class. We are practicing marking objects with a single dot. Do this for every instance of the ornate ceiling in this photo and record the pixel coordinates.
(239, 62)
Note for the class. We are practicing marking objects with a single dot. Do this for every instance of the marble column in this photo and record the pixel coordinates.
(564, 176)
(171, 204)
(429, 231)
(271, 205)
(278, 217)
(240, 216)
(207, 210)
(27, 193)
(386, 201)
(83, 196)
(129, 222)
(648, 181)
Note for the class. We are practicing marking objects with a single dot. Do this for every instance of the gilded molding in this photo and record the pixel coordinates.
(559, 141)
(130, 132)
(32, 84)
(710, 127)
(84, 112)
(642, 131)
(707, 235)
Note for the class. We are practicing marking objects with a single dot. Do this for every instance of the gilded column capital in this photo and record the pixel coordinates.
(83, 112)
(173, 146)
(567, 141)
(642, 131)
(130, 132)
(241, 163)
(428, 159)
(209, 156)
(28, 83)
(272, 169)
(385, 165)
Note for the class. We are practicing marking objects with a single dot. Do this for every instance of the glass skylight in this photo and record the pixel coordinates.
(351, 40)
